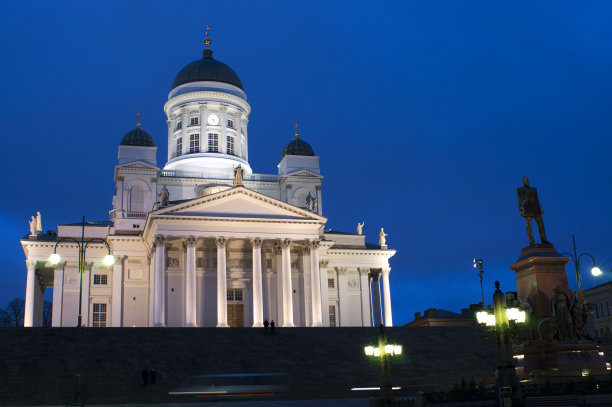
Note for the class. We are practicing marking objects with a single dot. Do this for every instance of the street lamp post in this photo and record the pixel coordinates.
(384, 351)
(596, 271)
(478, 265)
(55, 258)
(505, 372)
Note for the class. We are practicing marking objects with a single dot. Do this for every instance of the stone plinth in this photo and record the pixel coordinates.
(539, 268)
(559, 360)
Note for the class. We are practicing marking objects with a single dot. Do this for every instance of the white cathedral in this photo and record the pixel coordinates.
(204, 241)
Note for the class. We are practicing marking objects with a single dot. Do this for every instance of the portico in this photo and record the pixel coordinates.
(204, 249)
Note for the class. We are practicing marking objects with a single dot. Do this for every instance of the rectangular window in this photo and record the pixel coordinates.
(234, 295)
(179, 146)
(179, 125)
(230, 124)
(100, 279)
(99, 315)
(194, 143)
(332, 316)
(230, 145)
(330, 283)
(194, 121)
(213, 143)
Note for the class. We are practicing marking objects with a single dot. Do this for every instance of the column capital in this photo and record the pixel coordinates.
(363, 271)
(318, 187)
(278, 249)
(256, 242)
(31, 264)
(190, 241)
(184, 110)
(374, 274)
(160, 240)
(313, 244)
(223, 108)
(173, 116)
(385, 271)
(341, 270)
(203, 107)
(220, 241)
(306, 249)
(323, 263)
(285, 243)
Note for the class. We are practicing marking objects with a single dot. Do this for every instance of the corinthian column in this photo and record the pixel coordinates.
(190, 282)
(160, 269)
(257, 288)
(28, 316)
(315, 277)
(287, 290)
(387, 297)
(221, 283)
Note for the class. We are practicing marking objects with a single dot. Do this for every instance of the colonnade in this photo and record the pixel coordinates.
(381, 306)
(286, 289)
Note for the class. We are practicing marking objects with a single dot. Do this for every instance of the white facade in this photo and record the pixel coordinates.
(213, 254)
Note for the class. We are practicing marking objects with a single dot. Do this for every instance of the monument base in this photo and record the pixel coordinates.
(559, 361)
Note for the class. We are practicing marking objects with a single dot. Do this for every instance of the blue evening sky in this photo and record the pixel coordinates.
(426, 114)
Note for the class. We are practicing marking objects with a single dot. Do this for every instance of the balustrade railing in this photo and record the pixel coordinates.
(215, 175)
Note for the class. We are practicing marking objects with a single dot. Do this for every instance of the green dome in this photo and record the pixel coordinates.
(138, 137)
(298, 147)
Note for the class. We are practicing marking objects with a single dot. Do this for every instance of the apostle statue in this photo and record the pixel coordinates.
(311, 203)
(530, 208)
(32, 225)
(381, 238)
(360, 228)
(238, 176)
(38, 223)
(164, 197)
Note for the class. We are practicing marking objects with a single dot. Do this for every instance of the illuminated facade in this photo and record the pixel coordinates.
(205, 242)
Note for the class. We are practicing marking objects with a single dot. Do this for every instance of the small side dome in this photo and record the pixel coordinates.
(298, 146)
(138, 137)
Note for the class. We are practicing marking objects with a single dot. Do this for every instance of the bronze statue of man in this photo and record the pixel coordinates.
(530, 208)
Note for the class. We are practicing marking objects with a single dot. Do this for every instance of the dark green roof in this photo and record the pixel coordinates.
(298, 147)
(138, 137)
(207, 69)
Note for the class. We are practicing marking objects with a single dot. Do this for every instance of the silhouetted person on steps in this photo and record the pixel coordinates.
(153, 376)
(272, 326)
(145, 377)
(266, 323)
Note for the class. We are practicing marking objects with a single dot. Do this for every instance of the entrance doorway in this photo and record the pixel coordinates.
(235, 308)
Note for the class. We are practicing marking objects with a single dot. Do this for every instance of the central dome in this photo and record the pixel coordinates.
(207, 69)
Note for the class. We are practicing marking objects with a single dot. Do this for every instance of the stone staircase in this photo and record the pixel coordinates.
(40, 365)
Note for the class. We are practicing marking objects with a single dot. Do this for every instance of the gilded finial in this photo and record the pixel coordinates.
(207, 40)
(138, 119)
(297, 133)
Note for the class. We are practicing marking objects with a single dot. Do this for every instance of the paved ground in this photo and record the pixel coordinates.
(269, 403)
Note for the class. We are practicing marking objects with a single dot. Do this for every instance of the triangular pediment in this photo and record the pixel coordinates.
(302, 173)
(136, 165)
(237, 203)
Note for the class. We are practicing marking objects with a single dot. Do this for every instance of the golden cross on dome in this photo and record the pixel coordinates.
(207, 40)
(297, 134)
(138, 119)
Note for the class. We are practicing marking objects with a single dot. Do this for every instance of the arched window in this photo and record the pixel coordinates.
(136, 199)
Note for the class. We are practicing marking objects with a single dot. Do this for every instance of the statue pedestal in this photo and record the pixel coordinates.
(541, 362)
(539, 268)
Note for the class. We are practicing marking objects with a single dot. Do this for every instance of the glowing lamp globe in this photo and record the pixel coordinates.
(54, 258)
(369, 350)
(596, 271)
(109, 260)
(481, 317)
